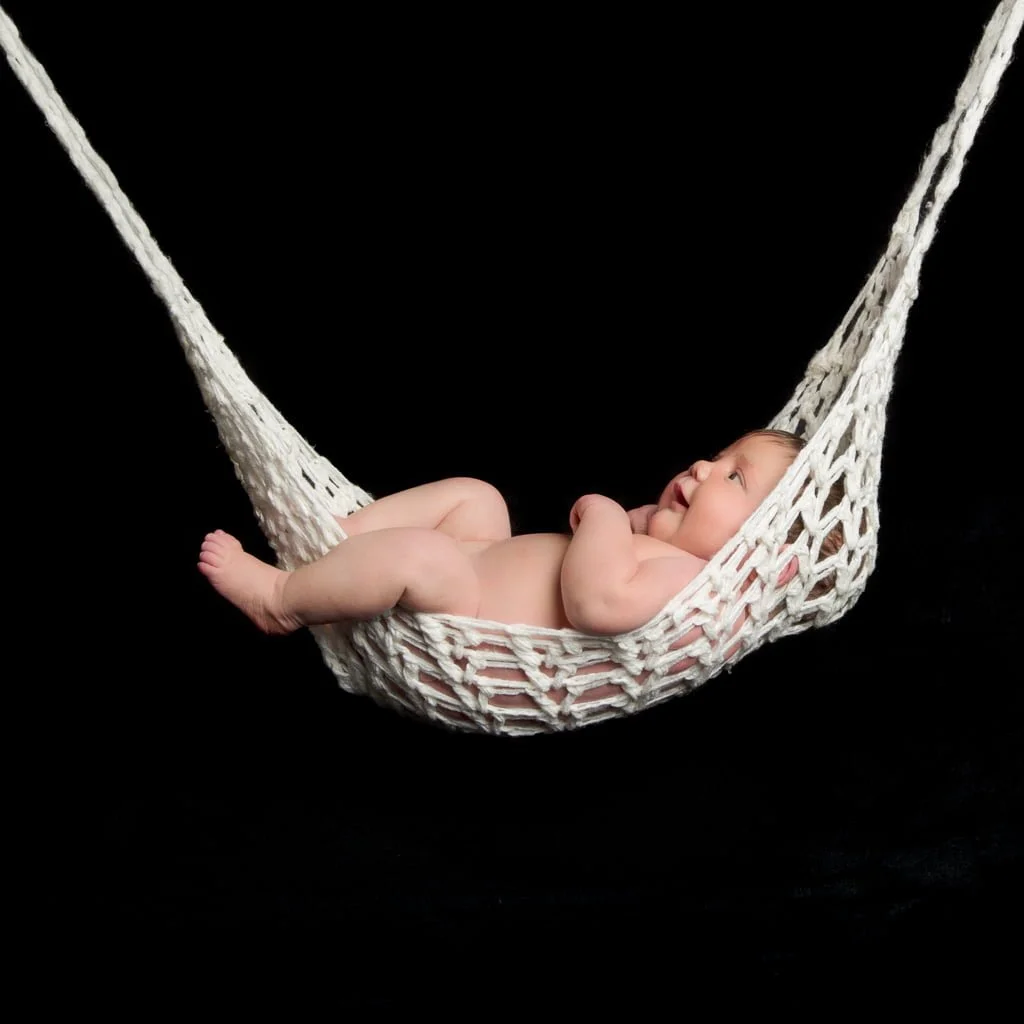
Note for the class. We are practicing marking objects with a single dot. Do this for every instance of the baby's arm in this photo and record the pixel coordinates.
(605, 588)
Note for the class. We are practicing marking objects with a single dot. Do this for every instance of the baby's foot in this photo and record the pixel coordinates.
(249, 584)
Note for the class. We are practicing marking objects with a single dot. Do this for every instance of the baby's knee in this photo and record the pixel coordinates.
(481, 512)
(472, 489)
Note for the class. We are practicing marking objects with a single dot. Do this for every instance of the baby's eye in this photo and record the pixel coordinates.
(737, 474)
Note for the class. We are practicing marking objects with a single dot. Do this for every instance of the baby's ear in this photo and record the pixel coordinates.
(789, 570)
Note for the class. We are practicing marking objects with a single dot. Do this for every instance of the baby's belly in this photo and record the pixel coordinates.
(520, 580)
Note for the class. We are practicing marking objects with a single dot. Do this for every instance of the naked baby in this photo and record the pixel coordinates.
(446, 547)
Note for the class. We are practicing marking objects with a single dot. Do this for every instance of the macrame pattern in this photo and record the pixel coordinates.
(481, 676)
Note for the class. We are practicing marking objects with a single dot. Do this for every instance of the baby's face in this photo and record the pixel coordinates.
(702, 508)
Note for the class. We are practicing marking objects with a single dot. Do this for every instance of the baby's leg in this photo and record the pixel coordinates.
(366, 575)
(461, 507)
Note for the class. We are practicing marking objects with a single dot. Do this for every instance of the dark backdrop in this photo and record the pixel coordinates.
(565, 254)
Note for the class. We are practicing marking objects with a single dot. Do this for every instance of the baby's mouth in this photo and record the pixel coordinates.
(680, 495)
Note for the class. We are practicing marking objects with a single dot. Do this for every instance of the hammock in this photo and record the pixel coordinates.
(482, 676)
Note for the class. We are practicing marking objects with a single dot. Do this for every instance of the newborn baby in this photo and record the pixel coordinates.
(446, 547)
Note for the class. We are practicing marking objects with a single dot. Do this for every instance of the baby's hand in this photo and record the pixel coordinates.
(586, 502)
(640, 517)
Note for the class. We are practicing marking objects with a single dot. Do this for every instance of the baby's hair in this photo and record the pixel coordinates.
(836, 538)
(794, 442)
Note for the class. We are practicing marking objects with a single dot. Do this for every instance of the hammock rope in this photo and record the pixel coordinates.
(481, 676)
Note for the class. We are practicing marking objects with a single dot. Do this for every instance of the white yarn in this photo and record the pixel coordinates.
(491, 677)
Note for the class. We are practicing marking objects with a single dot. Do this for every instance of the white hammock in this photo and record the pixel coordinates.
(490, 677)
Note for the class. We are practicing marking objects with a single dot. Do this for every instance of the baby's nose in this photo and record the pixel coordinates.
(700, 470)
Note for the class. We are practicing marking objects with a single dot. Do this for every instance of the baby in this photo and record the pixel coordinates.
(446, 547)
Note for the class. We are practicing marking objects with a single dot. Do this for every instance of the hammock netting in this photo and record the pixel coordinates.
(491, 677)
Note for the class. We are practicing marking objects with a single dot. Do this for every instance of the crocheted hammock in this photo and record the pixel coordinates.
(483, 676)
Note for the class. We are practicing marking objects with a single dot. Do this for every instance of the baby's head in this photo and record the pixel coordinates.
(703, 507)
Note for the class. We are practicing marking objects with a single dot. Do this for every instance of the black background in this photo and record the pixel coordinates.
(564, 254)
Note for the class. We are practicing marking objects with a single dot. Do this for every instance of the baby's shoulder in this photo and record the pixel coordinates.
(649, 547)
